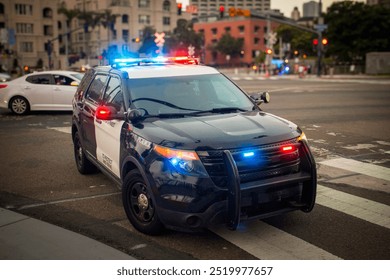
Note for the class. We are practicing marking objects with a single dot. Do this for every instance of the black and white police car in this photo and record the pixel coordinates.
(188, 147)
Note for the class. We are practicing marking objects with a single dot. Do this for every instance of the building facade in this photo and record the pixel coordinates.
(253, 31)
(32, 31)
(311, 9)
(212, 7)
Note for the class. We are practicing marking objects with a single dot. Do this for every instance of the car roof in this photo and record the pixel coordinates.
(54, 72)
(168, 70)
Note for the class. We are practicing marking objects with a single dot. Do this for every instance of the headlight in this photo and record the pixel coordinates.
(302, 137)
(182, 161)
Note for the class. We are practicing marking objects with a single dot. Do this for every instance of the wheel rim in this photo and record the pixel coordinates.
(78, 152)
(141, 203)
(19, 105)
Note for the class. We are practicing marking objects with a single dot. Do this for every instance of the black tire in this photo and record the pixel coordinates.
(139, 204)
(84, 166)
(19, 105)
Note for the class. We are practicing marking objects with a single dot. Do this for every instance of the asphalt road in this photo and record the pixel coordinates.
(346, 121)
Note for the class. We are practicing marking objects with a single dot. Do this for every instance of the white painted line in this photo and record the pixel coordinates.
(359, 167)
(368, 210)
(62, 129)
(270, 243)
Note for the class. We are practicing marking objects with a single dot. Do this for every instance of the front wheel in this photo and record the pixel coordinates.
(139, 204)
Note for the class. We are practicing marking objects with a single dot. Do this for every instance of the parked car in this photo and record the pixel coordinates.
(39, 91)
(4, 77)
(189, 147)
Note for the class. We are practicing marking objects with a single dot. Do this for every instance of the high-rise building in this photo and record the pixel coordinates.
(295, 14)
(203, 8)
(311, 9)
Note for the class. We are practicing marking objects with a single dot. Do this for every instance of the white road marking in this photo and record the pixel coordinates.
(67, 129)
(270, 243)
(368, 210)
(359, 167)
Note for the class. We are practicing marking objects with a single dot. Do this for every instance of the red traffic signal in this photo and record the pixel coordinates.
(268, 51)
(179, 7)
(315, 42)
(221, 11)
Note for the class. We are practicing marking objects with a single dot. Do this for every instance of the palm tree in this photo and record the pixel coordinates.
(69, 14)
(108, 21)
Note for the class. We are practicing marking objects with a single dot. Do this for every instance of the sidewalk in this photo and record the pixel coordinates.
(25, 238)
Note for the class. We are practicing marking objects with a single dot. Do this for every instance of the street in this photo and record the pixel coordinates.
(346, 122)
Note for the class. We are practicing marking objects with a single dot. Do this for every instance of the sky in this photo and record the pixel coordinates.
(287, 6)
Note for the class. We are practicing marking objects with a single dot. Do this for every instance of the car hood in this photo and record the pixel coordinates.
(219, 131)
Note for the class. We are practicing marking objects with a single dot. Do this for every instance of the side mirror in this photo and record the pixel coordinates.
(134, 115)
(261, 98)
(106, 113)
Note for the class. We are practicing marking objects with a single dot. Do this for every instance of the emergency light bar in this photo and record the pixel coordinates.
(121, 62)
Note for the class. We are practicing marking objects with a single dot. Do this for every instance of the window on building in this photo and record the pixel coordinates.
(125, 19)
(166, 21)
(48, 30)
(143, 3)
(24, 28)
(227, 29)
(1, 9)
(256, 28)
(144, 19)
(166, 6)
(256, 40)
(23, 9)
(241, 28)
(26, 47)
(125, 35)
(47, 13)
(214, 31)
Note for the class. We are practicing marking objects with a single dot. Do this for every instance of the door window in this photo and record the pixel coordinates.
(114, 95)
(95, 91)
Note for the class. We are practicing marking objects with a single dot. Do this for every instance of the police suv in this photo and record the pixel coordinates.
(188, 147)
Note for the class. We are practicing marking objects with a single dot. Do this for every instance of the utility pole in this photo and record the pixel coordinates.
(319, 46)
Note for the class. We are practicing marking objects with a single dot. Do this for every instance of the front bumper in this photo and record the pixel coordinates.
(259, 199)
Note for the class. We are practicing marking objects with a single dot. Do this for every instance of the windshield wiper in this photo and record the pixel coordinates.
(165, 115)
(182, 115)
(220, 110)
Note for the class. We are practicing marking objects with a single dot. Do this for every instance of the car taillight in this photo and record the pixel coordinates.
(3, 85)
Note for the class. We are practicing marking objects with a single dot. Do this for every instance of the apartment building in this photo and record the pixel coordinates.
(211, 7)
(27, 27)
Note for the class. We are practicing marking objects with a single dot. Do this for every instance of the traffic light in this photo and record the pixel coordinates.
(136, 40)
(268, 51)
(324, 42)
(179, 7)
(221, 11)
(315, 42)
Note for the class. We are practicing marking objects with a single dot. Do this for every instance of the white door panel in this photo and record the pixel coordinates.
(108, 144)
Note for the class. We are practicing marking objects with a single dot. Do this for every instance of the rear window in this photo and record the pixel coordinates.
(41, 79)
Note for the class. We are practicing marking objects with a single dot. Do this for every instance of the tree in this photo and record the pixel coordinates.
(148, 45)
(229, 45)
(69, 14)
(182, 37)
(299, 40)
(355, 28)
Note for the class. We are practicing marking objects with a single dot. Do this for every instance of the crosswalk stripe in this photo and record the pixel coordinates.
(359, 167)
(368, 210)
(270, 243)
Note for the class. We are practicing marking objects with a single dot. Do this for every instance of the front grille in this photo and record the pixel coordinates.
(265, 162)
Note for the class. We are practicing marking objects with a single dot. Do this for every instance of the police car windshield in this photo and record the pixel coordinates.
(186, 95)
